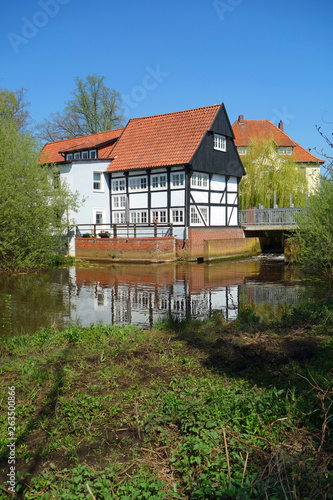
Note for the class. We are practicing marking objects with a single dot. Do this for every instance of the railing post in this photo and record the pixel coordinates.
(155, 230)
(171, 229)
(95, 235)
(134, 230)
(115, 230)
(76, 231)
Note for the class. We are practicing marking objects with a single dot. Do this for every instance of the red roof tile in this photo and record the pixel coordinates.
(160, 140)
(101, 141)
(264, 130)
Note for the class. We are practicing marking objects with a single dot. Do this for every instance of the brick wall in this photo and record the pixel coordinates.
(231, 247)
(194, 245)
(136, 249)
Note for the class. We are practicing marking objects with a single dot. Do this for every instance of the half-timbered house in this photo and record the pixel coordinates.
(177, 168)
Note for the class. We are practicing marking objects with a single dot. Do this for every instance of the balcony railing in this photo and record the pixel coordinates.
(269, 216)
(155, 230)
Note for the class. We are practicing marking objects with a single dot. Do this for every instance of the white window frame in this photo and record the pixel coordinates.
(242, 150)
(285, 150)
(119, 217)
(100, 211)
(137, 183)
(220, 142)
(160, 215)
(195, 219)
(199, 180)
(69, 156)
(101, 181)
(84, 155)
(93, 154)
(119, 201)
(160, 180)
(178, 179)
(139, 217)
(118, 185)
(177, 216)
(77, 156)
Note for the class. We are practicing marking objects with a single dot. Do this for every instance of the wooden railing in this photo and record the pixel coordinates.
(269, 216)
(155, 230)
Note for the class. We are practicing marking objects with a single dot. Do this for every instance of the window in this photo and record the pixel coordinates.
(118, 185)
(220, 142)
(97, 181)
(138, 217)
(158, 181)
(77, 156)
(177, 179)
(285, 150)
(84, 155)
(119, 217)
(199, 215)
(69, 157)
(177, 216)
(159, 216)
(199, 180)
(119, 201)
(136, 183)
(99, 217)
(92, 153)
(242, 150)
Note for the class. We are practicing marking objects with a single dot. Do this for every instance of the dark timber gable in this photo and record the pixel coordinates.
(207, 159)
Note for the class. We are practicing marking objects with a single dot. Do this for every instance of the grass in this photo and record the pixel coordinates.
(191, 410)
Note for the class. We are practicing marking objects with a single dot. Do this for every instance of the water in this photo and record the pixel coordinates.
(143, 294)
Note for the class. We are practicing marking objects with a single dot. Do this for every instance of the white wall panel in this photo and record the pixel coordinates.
(178, 198)
(232, 184)
(217, 183)
(159, 199)
(234, 219)
(200, 196)
(217, 216)
(232, 198)
(138, 200)
(216, 198)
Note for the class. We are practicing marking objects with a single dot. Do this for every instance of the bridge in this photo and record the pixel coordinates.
(269, 219)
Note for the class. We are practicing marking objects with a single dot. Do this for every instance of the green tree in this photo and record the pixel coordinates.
(33, 211)
(13, 107)
(266, 172)
(93, 108)
(315, 232)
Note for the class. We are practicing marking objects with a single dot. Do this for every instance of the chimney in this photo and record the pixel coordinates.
(281, 125)
(241, 120)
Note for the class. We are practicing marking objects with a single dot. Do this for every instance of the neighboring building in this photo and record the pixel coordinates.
(246, 131)
(181, 168)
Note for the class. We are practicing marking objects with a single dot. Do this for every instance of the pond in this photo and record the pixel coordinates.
(142, 294)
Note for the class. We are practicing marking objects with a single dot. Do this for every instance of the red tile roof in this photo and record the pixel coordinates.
(264, 130)
(160, 140)
(101, 141)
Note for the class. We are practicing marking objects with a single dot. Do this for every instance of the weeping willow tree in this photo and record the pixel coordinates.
(267, 171)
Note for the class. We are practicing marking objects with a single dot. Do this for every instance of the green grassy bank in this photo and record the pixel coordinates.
(198, 410)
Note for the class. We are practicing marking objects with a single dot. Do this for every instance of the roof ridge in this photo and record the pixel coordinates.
(84, 136)
(175, 112)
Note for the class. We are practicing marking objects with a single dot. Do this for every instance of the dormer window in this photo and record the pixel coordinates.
(76, 156)
(242, 150)
(92, 153)
(84, 155)
(220, 142)
(69, 157)
(285, 150)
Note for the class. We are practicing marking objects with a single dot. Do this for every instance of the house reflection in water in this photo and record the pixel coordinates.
(143, 294)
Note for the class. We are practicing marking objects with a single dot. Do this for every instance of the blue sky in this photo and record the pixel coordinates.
(263, 59)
